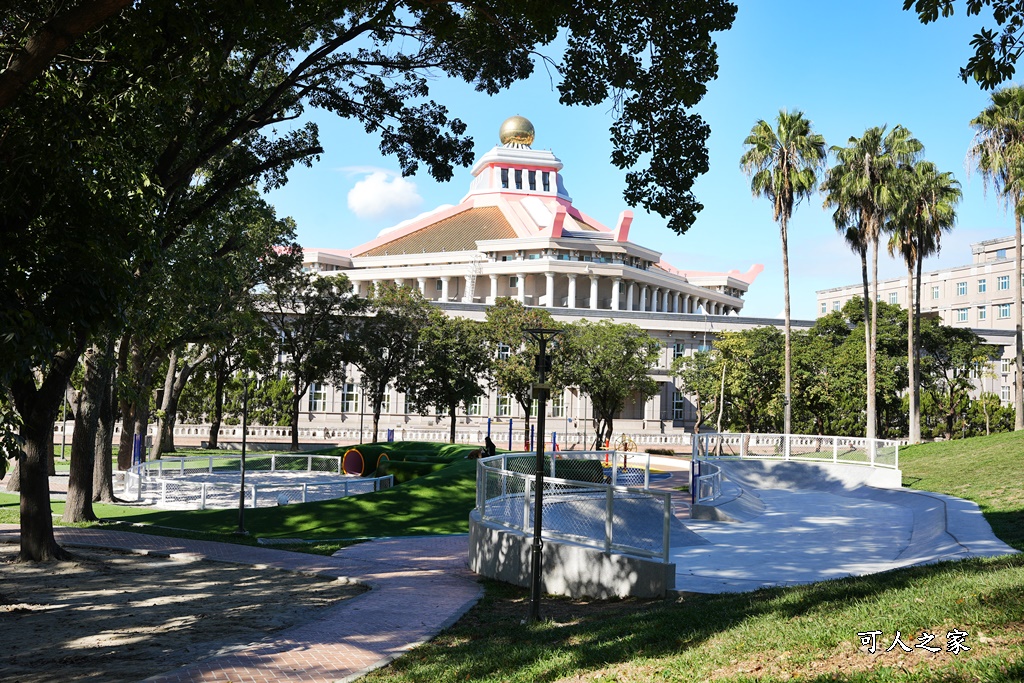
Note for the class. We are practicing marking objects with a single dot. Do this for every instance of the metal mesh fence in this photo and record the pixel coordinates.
(628, 520)
(214, 482)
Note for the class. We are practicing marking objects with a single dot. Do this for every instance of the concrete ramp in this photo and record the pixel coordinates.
(820, 521)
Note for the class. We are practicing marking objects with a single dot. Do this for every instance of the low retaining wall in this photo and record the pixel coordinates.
(568, 569)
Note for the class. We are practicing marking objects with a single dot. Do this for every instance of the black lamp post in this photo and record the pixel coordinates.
(540, 392)
(245, 430)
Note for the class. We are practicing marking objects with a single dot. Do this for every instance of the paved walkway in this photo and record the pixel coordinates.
(419, 586)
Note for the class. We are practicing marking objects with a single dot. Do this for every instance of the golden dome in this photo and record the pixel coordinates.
(517, 130)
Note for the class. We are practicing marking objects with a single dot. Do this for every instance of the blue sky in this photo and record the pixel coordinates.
(847, 65)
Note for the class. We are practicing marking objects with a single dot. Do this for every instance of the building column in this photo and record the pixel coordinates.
(593, 292)
(421, 282)
(616, 283)
(656, 300)
(494, 288)
(376, 287)
(630, 295)
(444, 287)
(570, 301)
(465, 295)
(643, 298)
(521, 279)
(549, 289)
(675, 302)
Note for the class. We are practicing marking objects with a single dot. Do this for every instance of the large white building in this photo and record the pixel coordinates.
(516, 233)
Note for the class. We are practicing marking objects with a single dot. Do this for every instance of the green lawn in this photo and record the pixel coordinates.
(803, 633)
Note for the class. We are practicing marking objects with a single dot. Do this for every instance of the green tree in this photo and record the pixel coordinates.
(926, 207)
(995, 54)
(699, 376)
(313, 317)
(997, 151)
(453, 366)
(514, 368)
(754, 393)
(862, 185)
(386, 341)
(135, 132)
(952, 358)
(608, 361)
(783, 164)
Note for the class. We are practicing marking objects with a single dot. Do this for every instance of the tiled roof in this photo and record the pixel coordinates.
(455, 233)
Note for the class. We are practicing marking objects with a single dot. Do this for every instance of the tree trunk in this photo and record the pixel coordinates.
(103, 474)
(1018, 399)
(914, 430)
(451, 415)
(83, 446)
(14, 483)
(721, 398)
(219, 373)
(38, 406)
(871, 430)
(916, 379)
(296, 401)
(164, 418)
(527, 411)
(788, 395)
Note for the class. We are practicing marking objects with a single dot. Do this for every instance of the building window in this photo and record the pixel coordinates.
(317, 398)
(1003, 282)
(894, 297)
(1004, 394)
(519, 179)
(961, 315)
(1004, 365)
(476, 406)
(504, 351)
(504, 178)
(349, 399)
(678, 349)
(678, 405)
(835, 305)
(558, 406)
(935, 291)
(824, 308)
(438, 285)
(961, 288)
(982, 313)
(513, 282)
(504, 408)
(981, 286)
(1003, 311)
(532, 177)
(1000, 254)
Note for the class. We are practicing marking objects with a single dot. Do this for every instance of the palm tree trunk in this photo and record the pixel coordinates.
(871, 430)
(788, 396)
(914, 429)
(1018, 399)
(916, 379)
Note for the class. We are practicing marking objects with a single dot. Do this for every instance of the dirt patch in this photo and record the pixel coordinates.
(112, 616)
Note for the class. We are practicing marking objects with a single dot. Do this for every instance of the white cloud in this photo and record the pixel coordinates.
(383, 195)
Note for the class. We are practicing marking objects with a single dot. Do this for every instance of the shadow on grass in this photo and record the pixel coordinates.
(689, 638)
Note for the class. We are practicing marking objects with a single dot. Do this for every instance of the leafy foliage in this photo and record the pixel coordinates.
(611, 363)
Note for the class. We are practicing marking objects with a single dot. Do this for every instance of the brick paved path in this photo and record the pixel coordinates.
(419, 586)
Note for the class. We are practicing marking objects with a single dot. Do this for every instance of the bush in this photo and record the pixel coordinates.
(406, 471)
(660, 451)
(575, 470)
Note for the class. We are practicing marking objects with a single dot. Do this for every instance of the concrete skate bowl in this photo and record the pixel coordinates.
(941, 527)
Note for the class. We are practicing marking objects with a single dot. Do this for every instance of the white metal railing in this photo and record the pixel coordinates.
(167, 481)
(629, 520)
(845, 450)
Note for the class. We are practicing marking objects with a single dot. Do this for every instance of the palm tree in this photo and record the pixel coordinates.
(998, 153)
(862, 187)
(925, 209)
(783, 164)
